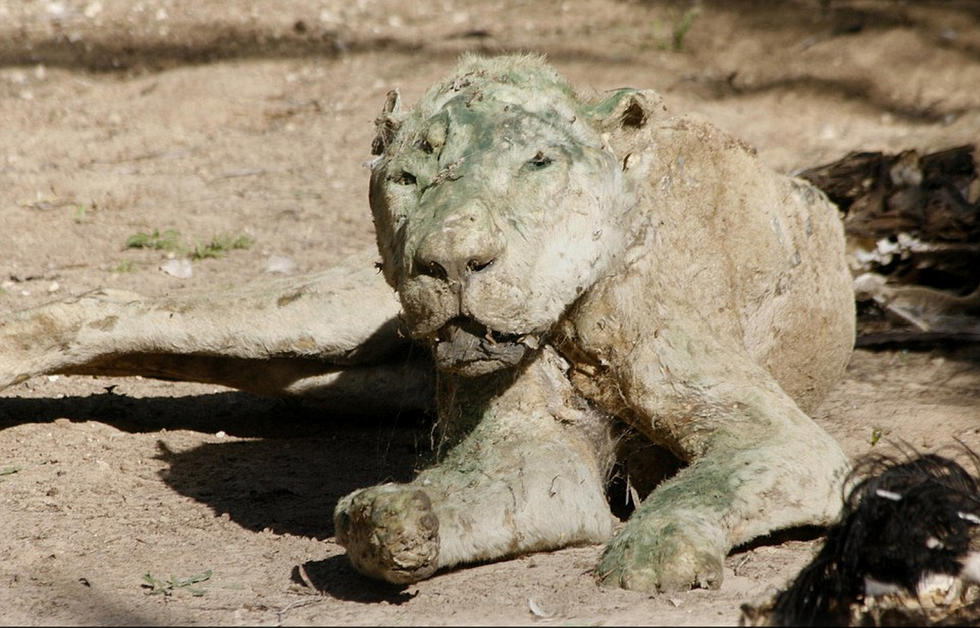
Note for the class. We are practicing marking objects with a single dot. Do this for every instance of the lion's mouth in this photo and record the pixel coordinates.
(469, 348)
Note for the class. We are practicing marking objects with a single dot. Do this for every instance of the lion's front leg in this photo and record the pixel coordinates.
(523, 472)
(757, 463)
(736, 489)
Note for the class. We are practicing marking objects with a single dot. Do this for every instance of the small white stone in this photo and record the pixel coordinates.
(536, 609)
(280, 264)
(179, 268)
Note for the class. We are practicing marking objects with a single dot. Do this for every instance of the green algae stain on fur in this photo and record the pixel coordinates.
(706, 485)
(669, 522)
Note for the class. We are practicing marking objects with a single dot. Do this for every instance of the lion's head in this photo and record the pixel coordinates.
(497, 202)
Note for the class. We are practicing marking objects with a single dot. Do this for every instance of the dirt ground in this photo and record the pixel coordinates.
(253, 118)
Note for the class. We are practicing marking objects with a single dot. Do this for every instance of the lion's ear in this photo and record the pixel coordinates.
(625, 110)
(386, 125)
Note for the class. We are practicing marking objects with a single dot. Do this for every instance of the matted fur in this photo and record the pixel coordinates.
(577, 262)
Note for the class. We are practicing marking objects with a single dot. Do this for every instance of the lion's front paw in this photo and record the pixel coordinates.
(654, 556)
(390, 532)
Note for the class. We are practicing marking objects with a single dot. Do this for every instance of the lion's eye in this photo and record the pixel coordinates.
(403, 178)
(540, 160)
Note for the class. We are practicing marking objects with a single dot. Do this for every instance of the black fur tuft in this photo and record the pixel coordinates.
(903, 519)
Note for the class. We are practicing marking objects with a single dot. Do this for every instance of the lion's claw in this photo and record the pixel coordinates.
(645, 557)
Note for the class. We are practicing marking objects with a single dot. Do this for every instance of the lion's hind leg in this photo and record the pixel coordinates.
(330, 335)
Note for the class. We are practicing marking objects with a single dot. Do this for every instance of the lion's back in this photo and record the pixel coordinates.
(761, 254)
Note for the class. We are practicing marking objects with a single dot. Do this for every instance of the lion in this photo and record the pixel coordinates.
(585, 272)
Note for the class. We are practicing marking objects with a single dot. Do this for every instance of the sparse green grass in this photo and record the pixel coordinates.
(167, 587)
(876, 434)
(683, 25)
(221, 244)
(169, 240)
(125, 266)
(672, 32)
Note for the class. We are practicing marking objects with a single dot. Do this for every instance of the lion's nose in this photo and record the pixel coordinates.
(464, 244)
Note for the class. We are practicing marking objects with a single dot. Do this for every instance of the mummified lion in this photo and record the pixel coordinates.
(575, 266)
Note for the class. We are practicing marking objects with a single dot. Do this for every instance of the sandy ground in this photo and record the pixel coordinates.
(253, 118)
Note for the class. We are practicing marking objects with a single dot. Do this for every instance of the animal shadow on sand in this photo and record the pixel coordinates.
(287, 477)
